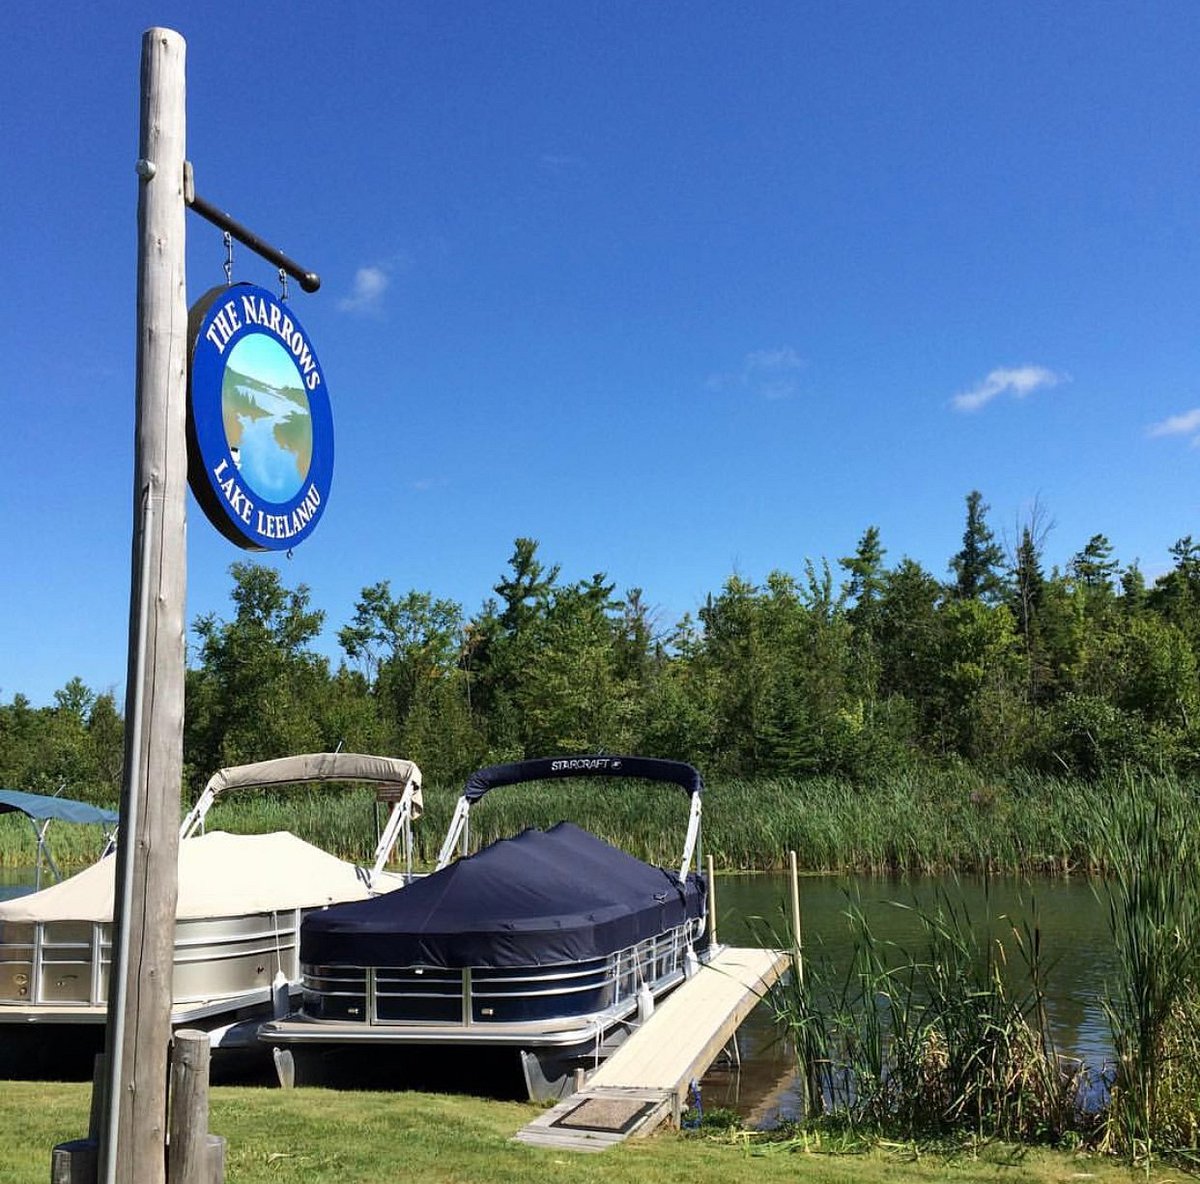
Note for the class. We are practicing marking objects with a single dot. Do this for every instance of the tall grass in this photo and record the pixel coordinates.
(72, 847)
(933, 823)
(937, 821)
(953, 1036)
(1153, 1007)
(949, 1037)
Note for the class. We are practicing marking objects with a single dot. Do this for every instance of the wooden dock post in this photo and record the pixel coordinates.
(810, 1087)
(194, 1156)
(74, 1162)
(797, 940)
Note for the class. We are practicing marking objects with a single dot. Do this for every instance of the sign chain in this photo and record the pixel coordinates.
(228, 258)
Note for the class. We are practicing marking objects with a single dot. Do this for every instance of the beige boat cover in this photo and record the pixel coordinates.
(320, 766)
(220, 875)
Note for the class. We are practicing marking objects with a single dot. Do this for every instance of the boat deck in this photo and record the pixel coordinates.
(646, 1080)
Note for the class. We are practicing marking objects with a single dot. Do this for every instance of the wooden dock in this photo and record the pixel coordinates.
(645, 1082)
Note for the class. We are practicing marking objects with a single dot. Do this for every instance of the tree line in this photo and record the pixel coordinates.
(847, 669)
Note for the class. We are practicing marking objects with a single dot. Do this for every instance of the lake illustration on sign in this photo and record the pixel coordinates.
(268, 424)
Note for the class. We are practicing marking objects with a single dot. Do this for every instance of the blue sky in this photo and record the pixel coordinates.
(678, 289)
(262, 357)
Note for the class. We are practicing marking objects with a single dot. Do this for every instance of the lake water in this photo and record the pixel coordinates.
(1077, 958)
(15, 881)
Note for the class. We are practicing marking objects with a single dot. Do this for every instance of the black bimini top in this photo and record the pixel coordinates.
(539, 899)
(552, 768)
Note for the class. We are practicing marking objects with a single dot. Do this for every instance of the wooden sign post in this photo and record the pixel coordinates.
(133, 1135)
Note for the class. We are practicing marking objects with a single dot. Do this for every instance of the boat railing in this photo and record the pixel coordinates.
(478, 996)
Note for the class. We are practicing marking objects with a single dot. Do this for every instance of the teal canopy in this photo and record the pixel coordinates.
(42, 808)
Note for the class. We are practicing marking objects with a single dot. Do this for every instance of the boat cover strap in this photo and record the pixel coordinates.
(552, 768)
(42, 807)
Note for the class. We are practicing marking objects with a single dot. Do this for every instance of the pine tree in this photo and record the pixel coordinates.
(1133, 589)
(865, 586)
(976, 566)
(1026, 600)
(1094, 566)
(527, 591)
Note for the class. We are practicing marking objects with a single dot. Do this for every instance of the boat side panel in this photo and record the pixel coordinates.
(66, 963)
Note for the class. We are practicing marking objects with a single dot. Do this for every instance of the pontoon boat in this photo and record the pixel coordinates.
(552, 943)
(241, 902)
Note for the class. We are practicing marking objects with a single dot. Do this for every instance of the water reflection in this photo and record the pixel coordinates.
(16, 881)
(1076, 951)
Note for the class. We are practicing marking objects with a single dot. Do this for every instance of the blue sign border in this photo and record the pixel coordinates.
(217, 322)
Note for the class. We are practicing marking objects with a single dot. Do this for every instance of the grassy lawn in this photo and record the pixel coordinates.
(327, 1137)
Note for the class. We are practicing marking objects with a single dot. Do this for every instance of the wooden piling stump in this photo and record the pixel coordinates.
(193, 1155)
(74, 1162)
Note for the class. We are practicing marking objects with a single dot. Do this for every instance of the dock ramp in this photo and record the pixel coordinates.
(645, 1082)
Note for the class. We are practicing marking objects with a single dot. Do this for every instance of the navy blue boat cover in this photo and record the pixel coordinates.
(539, 899)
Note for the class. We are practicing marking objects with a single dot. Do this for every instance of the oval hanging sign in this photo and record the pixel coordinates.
(260, 428)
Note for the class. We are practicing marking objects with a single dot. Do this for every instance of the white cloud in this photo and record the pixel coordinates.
(1186, 424)
(370, 283)
(1018, 381)
(560, 162)
(768, 373)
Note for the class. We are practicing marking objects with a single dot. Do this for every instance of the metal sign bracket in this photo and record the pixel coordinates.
(308, 280)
